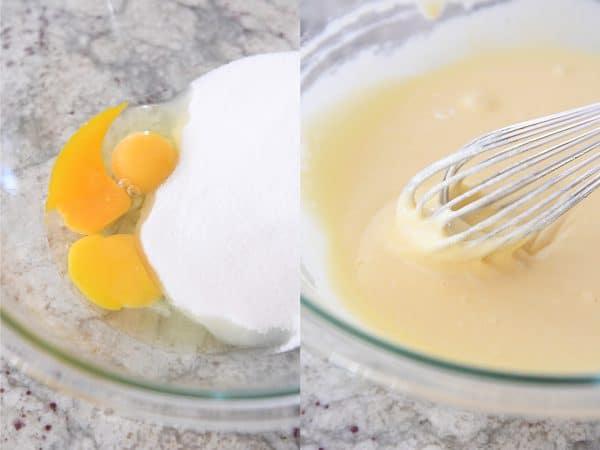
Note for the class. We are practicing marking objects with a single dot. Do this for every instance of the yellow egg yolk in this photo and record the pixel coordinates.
(80, 187)
(143, 161)
(112, 272)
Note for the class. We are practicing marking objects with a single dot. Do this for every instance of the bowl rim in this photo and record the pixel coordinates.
(532, 378)
(90, 368)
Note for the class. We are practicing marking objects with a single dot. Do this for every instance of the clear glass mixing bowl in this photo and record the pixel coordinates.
(381, 25)
(146, 363)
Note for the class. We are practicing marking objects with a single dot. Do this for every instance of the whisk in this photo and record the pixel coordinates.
(531, 173)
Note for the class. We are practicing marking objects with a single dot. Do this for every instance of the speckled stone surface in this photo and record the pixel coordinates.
(63, 61)
(340, 411)
(36, 417)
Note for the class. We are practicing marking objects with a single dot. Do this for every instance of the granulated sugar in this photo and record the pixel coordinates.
(223, 232)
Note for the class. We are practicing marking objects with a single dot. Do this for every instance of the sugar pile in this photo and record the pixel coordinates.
(223, 232)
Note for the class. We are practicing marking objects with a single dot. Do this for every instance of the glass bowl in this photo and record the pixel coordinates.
(148, 363)
(335, 35)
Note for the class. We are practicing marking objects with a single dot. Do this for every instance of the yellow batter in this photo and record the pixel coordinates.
(536, 310)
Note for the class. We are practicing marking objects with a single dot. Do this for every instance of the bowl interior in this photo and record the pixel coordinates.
(46, 98)
(345, 53)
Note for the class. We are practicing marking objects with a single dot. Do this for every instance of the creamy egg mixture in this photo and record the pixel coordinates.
(535, 309)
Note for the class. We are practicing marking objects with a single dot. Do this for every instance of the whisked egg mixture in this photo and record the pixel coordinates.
(536, 309)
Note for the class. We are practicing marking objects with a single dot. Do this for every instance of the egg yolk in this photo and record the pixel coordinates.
(143, 160)
(80, 187)
(112, 272)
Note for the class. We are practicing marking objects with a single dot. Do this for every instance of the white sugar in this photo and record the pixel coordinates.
(223, 232)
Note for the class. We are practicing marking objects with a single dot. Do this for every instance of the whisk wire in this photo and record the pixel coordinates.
(562, 138)
(523, 200)
(519, 148)
(511, 170)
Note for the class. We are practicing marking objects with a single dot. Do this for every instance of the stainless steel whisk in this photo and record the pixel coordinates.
(536, 171)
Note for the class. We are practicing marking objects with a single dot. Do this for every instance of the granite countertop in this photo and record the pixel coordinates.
(63, 61)
(341, 411)
(37, 417)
